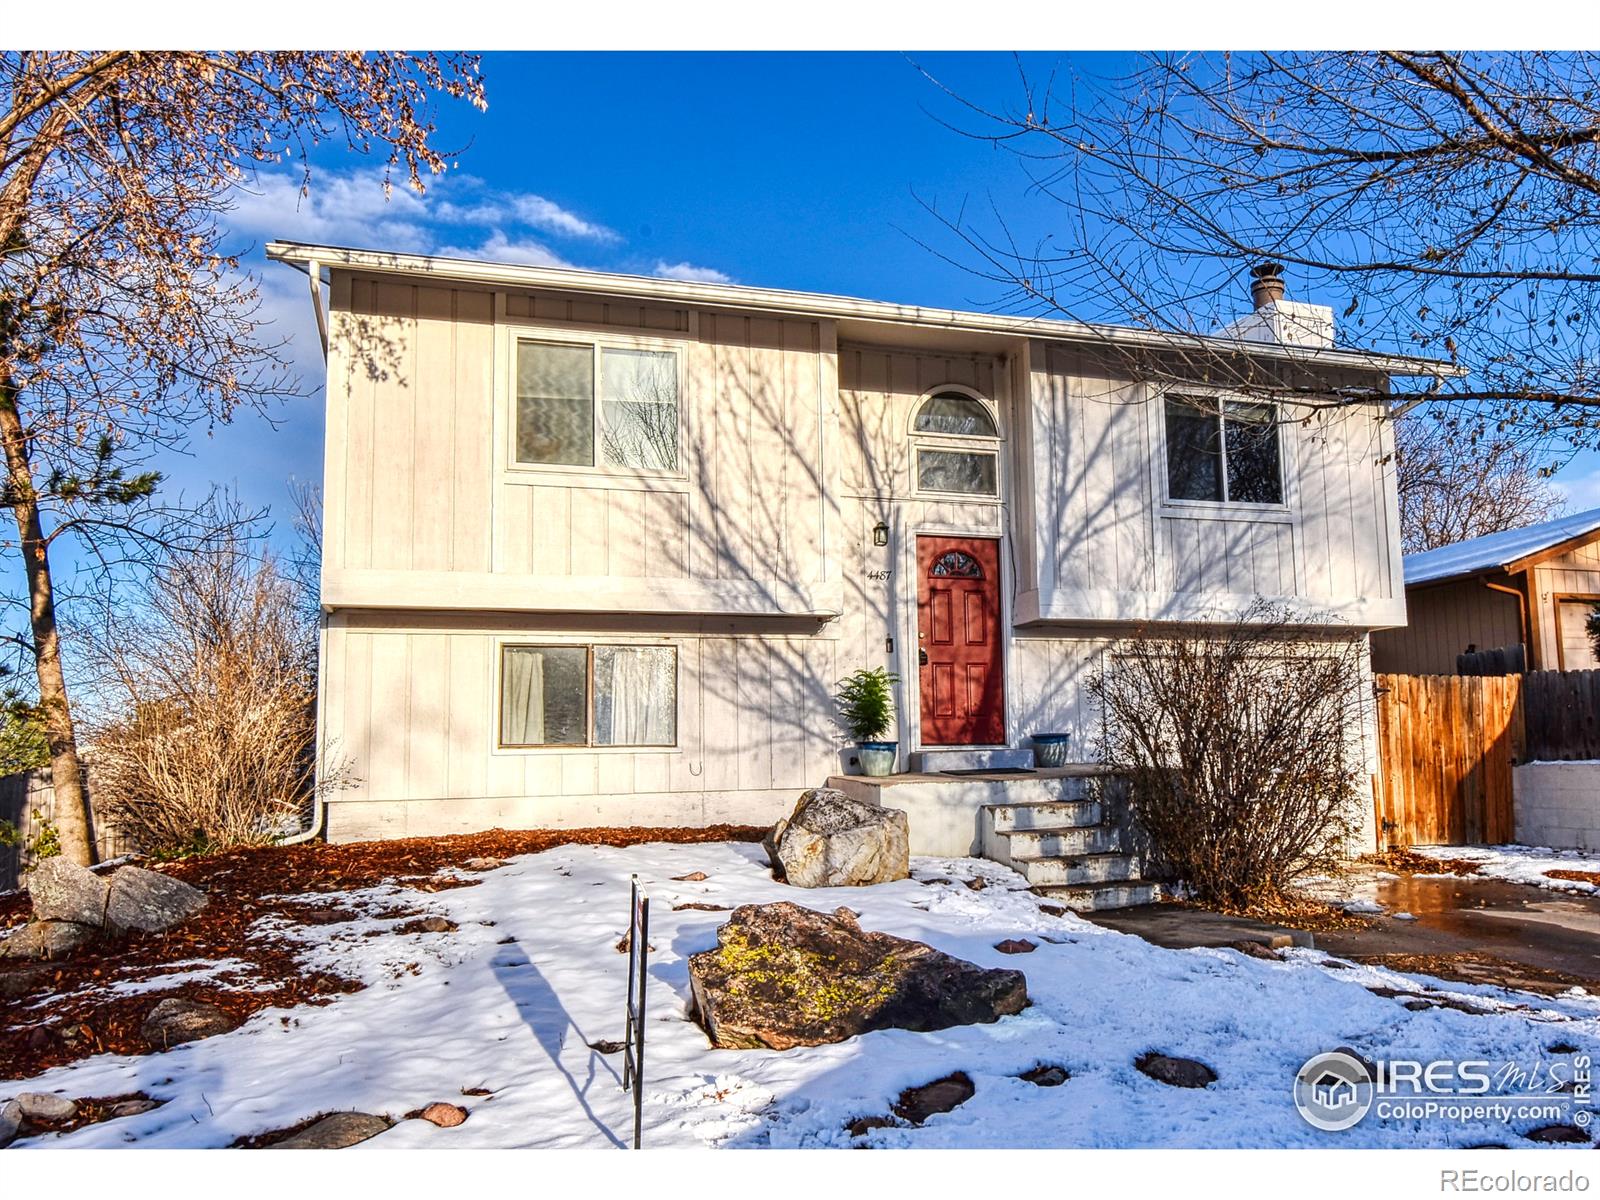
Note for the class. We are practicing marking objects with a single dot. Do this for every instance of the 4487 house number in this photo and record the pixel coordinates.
(879, 574)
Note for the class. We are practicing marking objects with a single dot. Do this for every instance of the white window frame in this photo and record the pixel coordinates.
(589, 745)
(597, 344)
(976, 443)
(1222, 399)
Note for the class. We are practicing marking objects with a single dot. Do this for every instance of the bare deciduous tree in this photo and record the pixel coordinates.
(208, 674)
(1454, 486)
(123, 321)
(1445, 204)
(1235, 741)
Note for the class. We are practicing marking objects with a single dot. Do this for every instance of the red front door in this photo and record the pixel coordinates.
(958, 634)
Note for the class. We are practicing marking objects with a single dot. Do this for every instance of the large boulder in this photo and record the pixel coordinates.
(834, 840)
(149, 901)
(784, 976)
(63, 891)
(47, 939)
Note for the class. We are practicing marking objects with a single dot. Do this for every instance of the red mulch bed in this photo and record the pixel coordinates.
(245, 886)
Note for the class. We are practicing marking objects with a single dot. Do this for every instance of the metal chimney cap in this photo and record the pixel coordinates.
(1266, 284)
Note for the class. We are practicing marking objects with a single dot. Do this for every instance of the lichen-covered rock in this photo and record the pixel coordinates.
(175, 1020)
(445, 1116)
(784, 976)
(833, 840)
(63, 891)
(149, 901)
(46, 939)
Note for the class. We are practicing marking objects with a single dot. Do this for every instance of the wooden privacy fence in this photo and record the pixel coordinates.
(1447, 744)
(28, 801)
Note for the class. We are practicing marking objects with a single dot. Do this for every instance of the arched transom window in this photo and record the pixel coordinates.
(955, 440)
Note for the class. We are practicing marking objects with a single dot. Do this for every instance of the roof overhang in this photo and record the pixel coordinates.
(858, 318)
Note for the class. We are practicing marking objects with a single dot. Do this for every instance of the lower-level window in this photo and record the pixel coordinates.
(588, 696)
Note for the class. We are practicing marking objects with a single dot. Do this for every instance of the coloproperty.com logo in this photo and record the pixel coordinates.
(1338, 1090)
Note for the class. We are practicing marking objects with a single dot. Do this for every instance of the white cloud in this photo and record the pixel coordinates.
(552, 218)
(497, 247)
(690, 273)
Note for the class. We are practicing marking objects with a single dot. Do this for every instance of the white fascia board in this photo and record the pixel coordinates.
(816, 304)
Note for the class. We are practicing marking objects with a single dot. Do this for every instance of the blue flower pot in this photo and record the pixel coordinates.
(877, 758)
(1050, 749)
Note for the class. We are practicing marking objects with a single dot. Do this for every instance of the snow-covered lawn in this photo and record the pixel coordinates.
(510, 1001)
(1524, 864)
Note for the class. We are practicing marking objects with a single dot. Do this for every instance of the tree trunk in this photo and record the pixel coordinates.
(71, 818)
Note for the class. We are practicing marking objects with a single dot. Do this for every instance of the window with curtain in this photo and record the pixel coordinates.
(576, 400)
(1223, 452)
(588, 696)
(544, 696)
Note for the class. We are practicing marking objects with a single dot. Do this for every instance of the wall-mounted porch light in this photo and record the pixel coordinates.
(880, 534)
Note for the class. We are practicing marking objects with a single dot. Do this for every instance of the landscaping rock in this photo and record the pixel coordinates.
(1558, 1133)
(174, 1021)
(335, 1132)
(1176, 1072)
(445, 1116)
(1045, 1076)
(64, 891)
(46, 939)
(427, 925)
(149, 901)
(785, 976)
(20, 981)
(1015, 946)
(45, 1106)
(832, 840)
(691, 877)
(1255, 949)
(482, 864)
(132, 1108)
(10, 1122)
(942, 1095)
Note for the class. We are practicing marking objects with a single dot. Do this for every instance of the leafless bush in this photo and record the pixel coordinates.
(213, 742)
(1237, 743)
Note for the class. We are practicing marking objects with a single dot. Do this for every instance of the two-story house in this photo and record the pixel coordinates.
(597, 548)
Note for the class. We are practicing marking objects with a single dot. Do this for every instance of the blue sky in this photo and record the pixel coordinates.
(784, 170)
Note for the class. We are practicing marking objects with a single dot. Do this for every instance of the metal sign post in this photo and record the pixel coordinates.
(638, 972)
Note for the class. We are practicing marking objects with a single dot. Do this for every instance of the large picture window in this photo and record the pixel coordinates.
(1223, 451)
(588, 696)
(631, 419)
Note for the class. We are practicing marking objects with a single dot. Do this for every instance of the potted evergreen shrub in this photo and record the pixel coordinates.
(866, 710)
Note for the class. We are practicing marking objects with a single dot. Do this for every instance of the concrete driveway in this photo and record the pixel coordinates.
(1474, 930)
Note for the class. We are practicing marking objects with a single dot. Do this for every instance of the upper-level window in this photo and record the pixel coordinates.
(585, 405)
(1223, 451)
(943, 422)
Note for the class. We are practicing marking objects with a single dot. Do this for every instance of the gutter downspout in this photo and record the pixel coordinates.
(313, 270)
(1522, 618)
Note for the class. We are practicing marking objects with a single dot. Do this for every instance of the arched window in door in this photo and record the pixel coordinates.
(956, 565)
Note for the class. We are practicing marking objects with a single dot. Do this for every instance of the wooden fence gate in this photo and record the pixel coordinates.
(1447, 745)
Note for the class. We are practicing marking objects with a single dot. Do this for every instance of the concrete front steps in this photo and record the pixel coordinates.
(1066, 851)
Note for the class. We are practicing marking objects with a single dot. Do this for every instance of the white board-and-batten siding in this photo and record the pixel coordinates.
(1110, 547)
(756, 559)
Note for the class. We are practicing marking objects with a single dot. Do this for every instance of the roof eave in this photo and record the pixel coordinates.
(735, 296)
